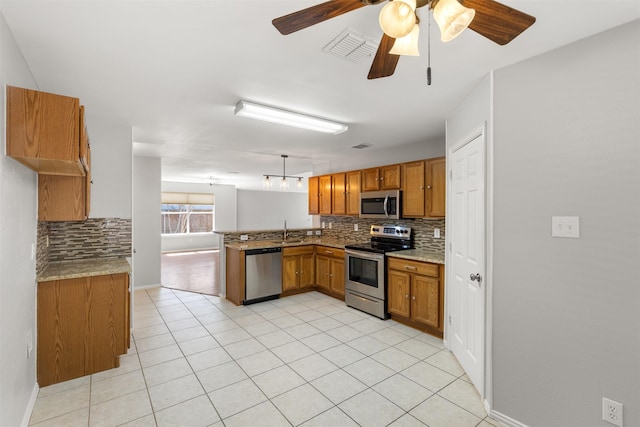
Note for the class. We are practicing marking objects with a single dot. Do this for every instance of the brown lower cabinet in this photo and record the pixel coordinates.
(330, 271)
(83, 326)
(416, 294)
(298, 268)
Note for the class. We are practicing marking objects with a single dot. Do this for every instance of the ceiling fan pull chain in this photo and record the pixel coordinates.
(429, 47)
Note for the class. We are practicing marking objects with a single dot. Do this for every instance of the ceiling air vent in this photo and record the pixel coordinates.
(352, 46)
(361, 146)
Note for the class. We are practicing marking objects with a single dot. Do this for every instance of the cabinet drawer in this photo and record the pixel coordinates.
(297, 250)
(424, 268)
(332, 252)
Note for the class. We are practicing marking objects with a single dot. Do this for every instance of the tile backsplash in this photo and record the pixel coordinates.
(73, 240)
(342, 227)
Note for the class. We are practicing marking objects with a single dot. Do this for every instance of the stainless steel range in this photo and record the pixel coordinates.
(365, 272)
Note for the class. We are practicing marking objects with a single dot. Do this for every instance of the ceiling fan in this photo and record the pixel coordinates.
(398, 19)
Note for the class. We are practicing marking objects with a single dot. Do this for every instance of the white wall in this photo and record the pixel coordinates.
(370, 157)
(267, 210)
(111, 167)
(18, 222)
(146, 221)
(566, 311)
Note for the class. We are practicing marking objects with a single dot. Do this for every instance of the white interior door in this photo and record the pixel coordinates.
(467, 291)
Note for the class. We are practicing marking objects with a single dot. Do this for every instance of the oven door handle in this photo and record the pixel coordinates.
(365, 255)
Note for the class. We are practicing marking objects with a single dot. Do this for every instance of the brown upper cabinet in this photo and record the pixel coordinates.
(352, 189)
(314, 195)
(382, 178)
(424, 188)
(324, 185)
(436, 187)
(46, 132)
(338, 194)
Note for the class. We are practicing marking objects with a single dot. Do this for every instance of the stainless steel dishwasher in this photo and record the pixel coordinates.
(263, 274)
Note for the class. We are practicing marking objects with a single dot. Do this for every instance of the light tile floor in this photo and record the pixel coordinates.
(198, 360)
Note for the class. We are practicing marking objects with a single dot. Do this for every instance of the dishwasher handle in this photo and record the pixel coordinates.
(263, 251)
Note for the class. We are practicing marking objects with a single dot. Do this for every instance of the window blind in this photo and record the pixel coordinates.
(187, 199)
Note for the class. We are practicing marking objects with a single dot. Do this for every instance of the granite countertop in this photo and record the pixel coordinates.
(275, 230)
(424, 255)
(259, 244)
(84, 268)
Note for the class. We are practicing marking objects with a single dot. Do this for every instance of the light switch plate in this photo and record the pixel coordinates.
(244, 237)
(318, 233)
(355, 227)
(436, 233)
(309, 232)
(565, 226)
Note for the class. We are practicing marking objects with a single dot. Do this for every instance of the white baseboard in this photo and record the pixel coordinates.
(137, 288)
(508, 421)
(32, 402)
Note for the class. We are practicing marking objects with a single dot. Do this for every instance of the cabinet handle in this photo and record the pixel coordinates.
(406, 296)
(296, 273)
(329, 252)
(413, 298)
(421, 187)
(428, 186)
(382, 178)
(410, 267)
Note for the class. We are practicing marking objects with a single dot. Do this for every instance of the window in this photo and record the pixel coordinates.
(185, 213)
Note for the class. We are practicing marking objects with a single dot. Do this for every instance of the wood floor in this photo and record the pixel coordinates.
(192, 271)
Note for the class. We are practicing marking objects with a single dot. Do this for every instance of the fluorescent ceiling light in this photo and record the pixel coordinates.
(289, 118)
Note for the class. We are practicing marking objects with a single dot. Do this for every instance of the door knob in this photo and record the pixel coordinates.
(475, 277)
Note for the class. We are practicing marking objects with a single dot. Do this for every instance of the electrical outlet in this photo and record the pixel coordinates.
(244, 237)
(318, 232)
(355, 227)
(324, 224)
(330, 225)
(565, 226)
(309, 232)
(612, 412)
(436, 233)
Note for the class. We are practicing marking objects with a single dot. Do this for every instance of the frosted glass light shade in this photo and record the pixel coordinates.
(398, 17)
(452, 18)
(407, 45)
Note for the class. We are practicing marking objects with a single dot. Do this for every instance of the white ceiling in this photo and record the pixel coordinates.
(174, 70)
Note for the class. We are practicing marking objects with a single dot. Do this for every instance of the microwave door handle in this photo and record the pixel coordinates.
(386, 202)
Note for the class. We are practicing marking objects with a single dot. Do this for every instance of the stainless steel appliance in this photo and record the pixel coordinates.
(380, 204)
(365, 268)
(263, 274)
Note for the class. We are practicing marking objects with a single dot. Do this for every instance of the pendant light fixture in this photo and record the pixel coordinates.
(408, 45)
(452, 18)
(398, 17)
(282, 179)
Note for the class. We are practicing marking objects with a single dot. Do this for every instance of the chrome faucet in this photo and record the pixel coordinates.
(284, 233)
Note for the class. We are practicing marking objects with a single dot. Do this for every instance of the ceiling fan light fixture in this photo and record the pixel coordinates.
(397, 18)
(407, 45)
(289, 118)
(452, 18)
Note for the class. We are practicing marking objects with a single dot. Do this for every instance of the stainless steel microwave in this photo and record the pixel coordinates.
(380, 204)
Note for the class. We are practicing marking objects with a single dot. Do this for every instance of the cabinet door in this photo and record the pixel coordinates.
(43, 131)
(436, 187)
(324, 183)
(353, 193)
(338, 194)
(413, 200)
(390, 177)
(323, 269)
(61, 198)
(337, 276)
(399, 288)
(425, 301)
(106, 327)
(61, 330)
(314, 196)
(371, 179)
(307, 270)
(290, 272)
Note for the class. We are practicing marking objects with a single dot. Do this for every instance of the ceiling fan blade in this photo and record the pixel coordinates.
(498, 22)
(315, 14)
(384, 63)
